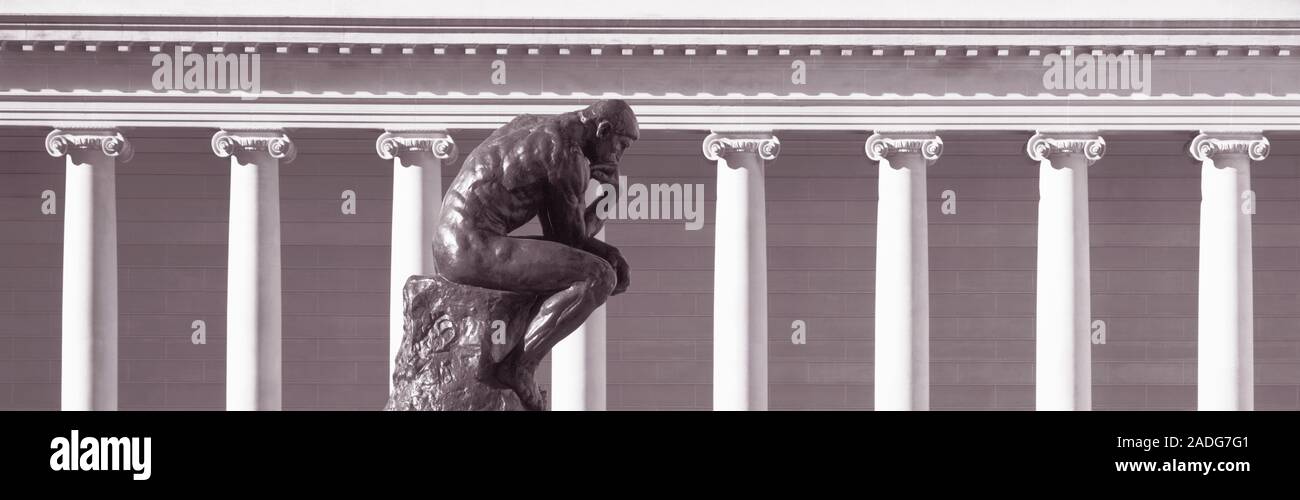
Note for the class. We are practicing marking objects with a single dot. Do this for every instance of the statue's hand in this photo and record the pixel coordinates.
(615, 259)
(621, 270)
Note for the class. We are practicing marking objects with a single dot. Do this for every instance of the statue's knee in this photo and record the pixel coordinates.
(602, 280)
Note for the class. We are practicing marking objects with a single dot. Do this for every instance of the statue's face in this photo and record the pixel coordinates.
(606, 151)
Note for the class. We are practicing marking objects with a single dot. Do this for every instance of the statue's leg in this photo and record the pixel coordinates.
(527, 264)
(557, 317)
(577, 283)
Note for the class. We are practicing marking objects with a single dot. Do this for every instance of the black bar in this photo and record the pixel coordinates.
(315, 449)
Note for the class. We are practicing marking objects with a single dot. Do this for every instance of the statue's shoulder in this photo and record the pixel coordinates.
(552, 139)
(535, 138)
(527, 121)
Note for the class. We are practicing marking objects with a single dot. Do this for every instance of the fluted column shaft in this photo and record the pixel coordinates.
(89, 350)
(1225, 304)
(253, 311)
(417, 158)
(902, 317)
(740, 268)
(1063, 360)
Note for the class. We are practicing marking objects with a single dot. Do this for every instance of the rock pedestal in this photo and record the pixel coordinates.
(456, 338)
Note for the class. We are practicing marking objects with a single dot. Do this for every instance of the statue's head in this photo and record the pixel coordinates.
(610, 129)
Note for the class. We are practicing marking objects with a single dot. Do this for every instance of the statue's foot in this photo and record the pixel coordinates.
(519, 376)
(529, 393)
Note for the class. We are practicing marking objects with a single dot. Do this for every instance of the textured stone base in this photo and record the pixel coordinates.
(448, 359)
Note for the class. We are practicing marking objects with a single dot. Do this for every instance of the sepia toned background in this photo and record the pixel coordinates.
(821, 77)
(173, 206)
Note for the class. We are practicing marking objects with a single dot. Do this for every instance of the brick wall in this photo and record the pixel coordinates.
(821, 229)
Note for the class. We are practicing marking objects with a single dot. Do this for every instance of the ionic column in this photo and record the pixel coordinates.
(740, 269)
(1225, 335)
(578, 365)
(253, 319)
(903, 269)
(417, 199)
(89, 366)
(1063, 362)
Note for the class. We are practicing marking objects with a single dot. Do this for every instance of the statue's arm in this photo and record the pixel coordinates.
(564, 217)
(592, 219)
(594, 223)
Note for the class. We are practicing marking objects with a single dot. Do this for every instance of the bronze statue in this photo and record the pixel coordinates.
(538, 289)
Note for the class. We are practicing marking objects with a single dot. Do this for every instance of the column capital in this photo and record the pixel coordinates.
(61, 142)
(883, 145)
(719, 144)
(1207, 145)
(227, 142)
(394, 143)
(1044, 145)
